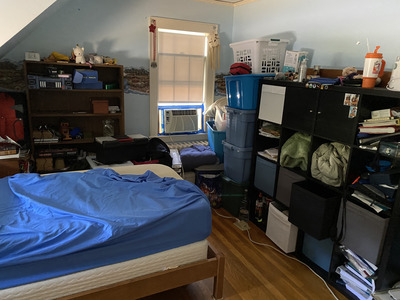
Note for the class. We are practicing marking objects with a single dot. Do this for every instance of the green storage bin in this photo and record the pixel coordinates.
(232, 195)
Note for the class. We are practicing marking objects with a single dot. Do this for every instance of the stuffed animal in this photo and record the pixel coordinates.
(351, 73)
(78, 53)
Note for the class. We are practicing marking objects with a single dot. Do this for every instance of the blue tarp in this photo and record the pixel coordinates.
(86, 218)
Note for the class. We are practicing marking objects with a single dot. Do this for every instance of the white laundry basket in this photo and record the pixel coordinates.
(264, 56)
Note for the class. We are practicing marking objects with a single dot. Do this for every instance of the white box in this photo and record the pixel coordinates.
(271, 103)
(293, 60)
(280, 230)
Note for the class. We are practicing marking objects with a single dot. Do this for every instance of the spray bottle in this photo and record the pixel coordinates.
(303, 70)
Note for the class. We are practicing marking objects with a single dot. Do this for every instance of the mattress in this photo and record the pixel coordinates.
(162, 213)
(94, 278)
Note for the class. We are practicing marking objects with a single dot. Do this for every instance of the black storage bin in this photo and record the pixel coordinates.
(314, 209)
(119, 152)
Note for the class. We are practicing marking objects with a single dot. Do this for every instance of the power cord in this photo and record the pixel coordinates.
(279, 251)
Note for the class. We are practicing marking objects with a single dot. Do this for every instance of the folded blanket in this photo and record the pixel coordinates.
(197, 155)
(329, 163)
(294, 153)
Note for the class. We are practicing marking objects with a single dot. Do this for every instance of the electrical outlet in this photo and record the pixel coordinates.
(242, 225)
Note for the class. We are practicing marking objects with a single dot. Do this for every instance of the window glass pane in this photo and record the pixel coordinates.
(197, 68)
(166, 92)
(196, 92)
(181, 93)
(166, 67)
(175, 43)
(182, 68)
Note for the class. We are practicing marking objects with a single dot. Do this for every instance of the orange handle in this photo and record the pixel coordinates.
(382, 68)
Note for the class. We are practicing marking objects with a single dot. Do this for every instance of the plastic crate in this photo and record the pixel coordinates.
(240, 127)
(237, 162)
(264, 56)
(215, 139)
(242, 90)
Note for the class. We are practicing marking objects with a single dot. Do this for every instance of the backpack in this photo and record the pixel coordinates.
(159, 151)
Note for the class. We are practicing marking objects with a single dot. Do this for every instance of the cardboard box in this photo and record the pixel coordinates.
(44, 164)
(100, 106)
(293, 60)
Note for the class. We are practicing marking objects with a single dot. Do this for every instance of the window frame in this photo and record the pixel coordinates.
(176, 24)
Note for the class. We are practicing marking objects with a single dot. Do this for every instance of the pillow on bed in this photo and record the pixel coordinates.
(197, 155)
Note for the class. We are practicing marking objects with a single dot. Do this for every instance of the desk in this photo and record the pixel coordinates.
(9, 167)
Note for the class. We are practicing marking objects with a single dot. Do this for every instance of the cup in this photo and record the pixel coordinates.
(394, 82)
(373, 68)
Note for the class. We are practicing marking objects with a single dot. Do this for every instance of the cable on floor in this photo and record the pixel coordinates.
(279, 251)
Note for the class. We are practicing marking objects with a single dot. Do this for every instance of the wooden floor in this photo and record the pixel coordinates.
(252, 271)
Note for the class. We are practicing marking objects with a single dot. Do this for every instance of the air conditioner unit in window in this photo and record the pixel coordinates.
(180, 120)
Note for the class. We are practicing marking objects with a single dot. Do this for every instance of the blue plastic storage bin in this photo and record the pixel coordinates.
(215, 139)
(237, 162)
(240, 127)
(318, 251)
(242, 90)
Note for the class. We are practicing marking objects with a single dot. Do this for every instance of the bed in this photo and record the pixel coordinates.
(102, 246)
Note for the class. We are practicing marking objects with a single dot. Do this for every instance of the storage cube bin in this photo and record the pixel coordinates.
(240, 127)
(264, 56)
(284, 186)
(209, 180)
(215, 139)
(100, 106)
(264, 178)
(280, 230)
(314, 208)
(318, 251)
(237, 162)
(364, 232)
(232, 195)
(242, 90)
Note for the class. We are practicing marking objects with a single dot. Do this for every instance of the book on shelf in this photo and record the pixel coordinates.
(390, 122)
(45, 141)
(379, 129)
(384, 113)
(376, 137)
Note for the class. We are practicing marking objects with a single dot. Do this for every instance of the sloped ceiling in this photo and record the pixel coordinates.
(228, 2)
(29, 13)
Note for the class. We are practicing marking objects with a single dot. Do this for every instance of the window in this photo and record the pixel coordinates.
(181, 76)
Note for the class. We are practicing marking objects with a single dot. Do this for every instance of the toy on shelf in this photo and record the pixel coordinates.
(78, 53)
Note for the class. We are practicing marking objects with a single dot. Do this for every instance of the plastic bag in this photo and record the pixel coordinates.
(220, 119)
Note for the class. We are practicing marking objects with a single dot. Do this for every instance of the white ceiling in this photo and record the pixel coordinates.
(228, 2)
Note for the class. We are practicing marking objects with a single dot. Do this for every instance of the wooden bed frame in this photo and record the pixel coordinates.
(158, 282)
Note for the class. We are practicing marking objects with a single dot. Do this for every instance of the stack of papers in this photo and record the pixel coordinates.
(357, 275)
(271, 153)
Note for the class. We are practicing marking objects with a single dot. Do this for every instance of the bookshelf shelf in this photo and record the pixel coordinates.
(49, 108)
(324, 116)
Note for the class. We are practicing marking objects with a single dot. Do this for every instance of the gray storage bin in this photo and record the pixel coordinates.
(240, 127)
(284, 187)
(318, 251)
(264, 178)
(364, 232)
(237, 162)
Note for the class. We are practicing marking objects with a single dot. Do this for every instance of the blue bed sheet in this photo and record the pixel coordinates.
(67, 222)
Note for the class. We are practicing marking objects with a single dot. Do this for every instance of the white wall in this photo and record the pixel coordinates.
(328, 29)
(119, 28)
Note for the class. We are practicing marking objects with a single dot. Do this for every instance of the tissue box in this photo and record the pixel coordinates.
(293, 60)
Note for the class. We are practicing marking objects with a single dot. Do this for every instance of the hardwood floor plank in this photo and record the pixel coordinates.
(252, 272)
